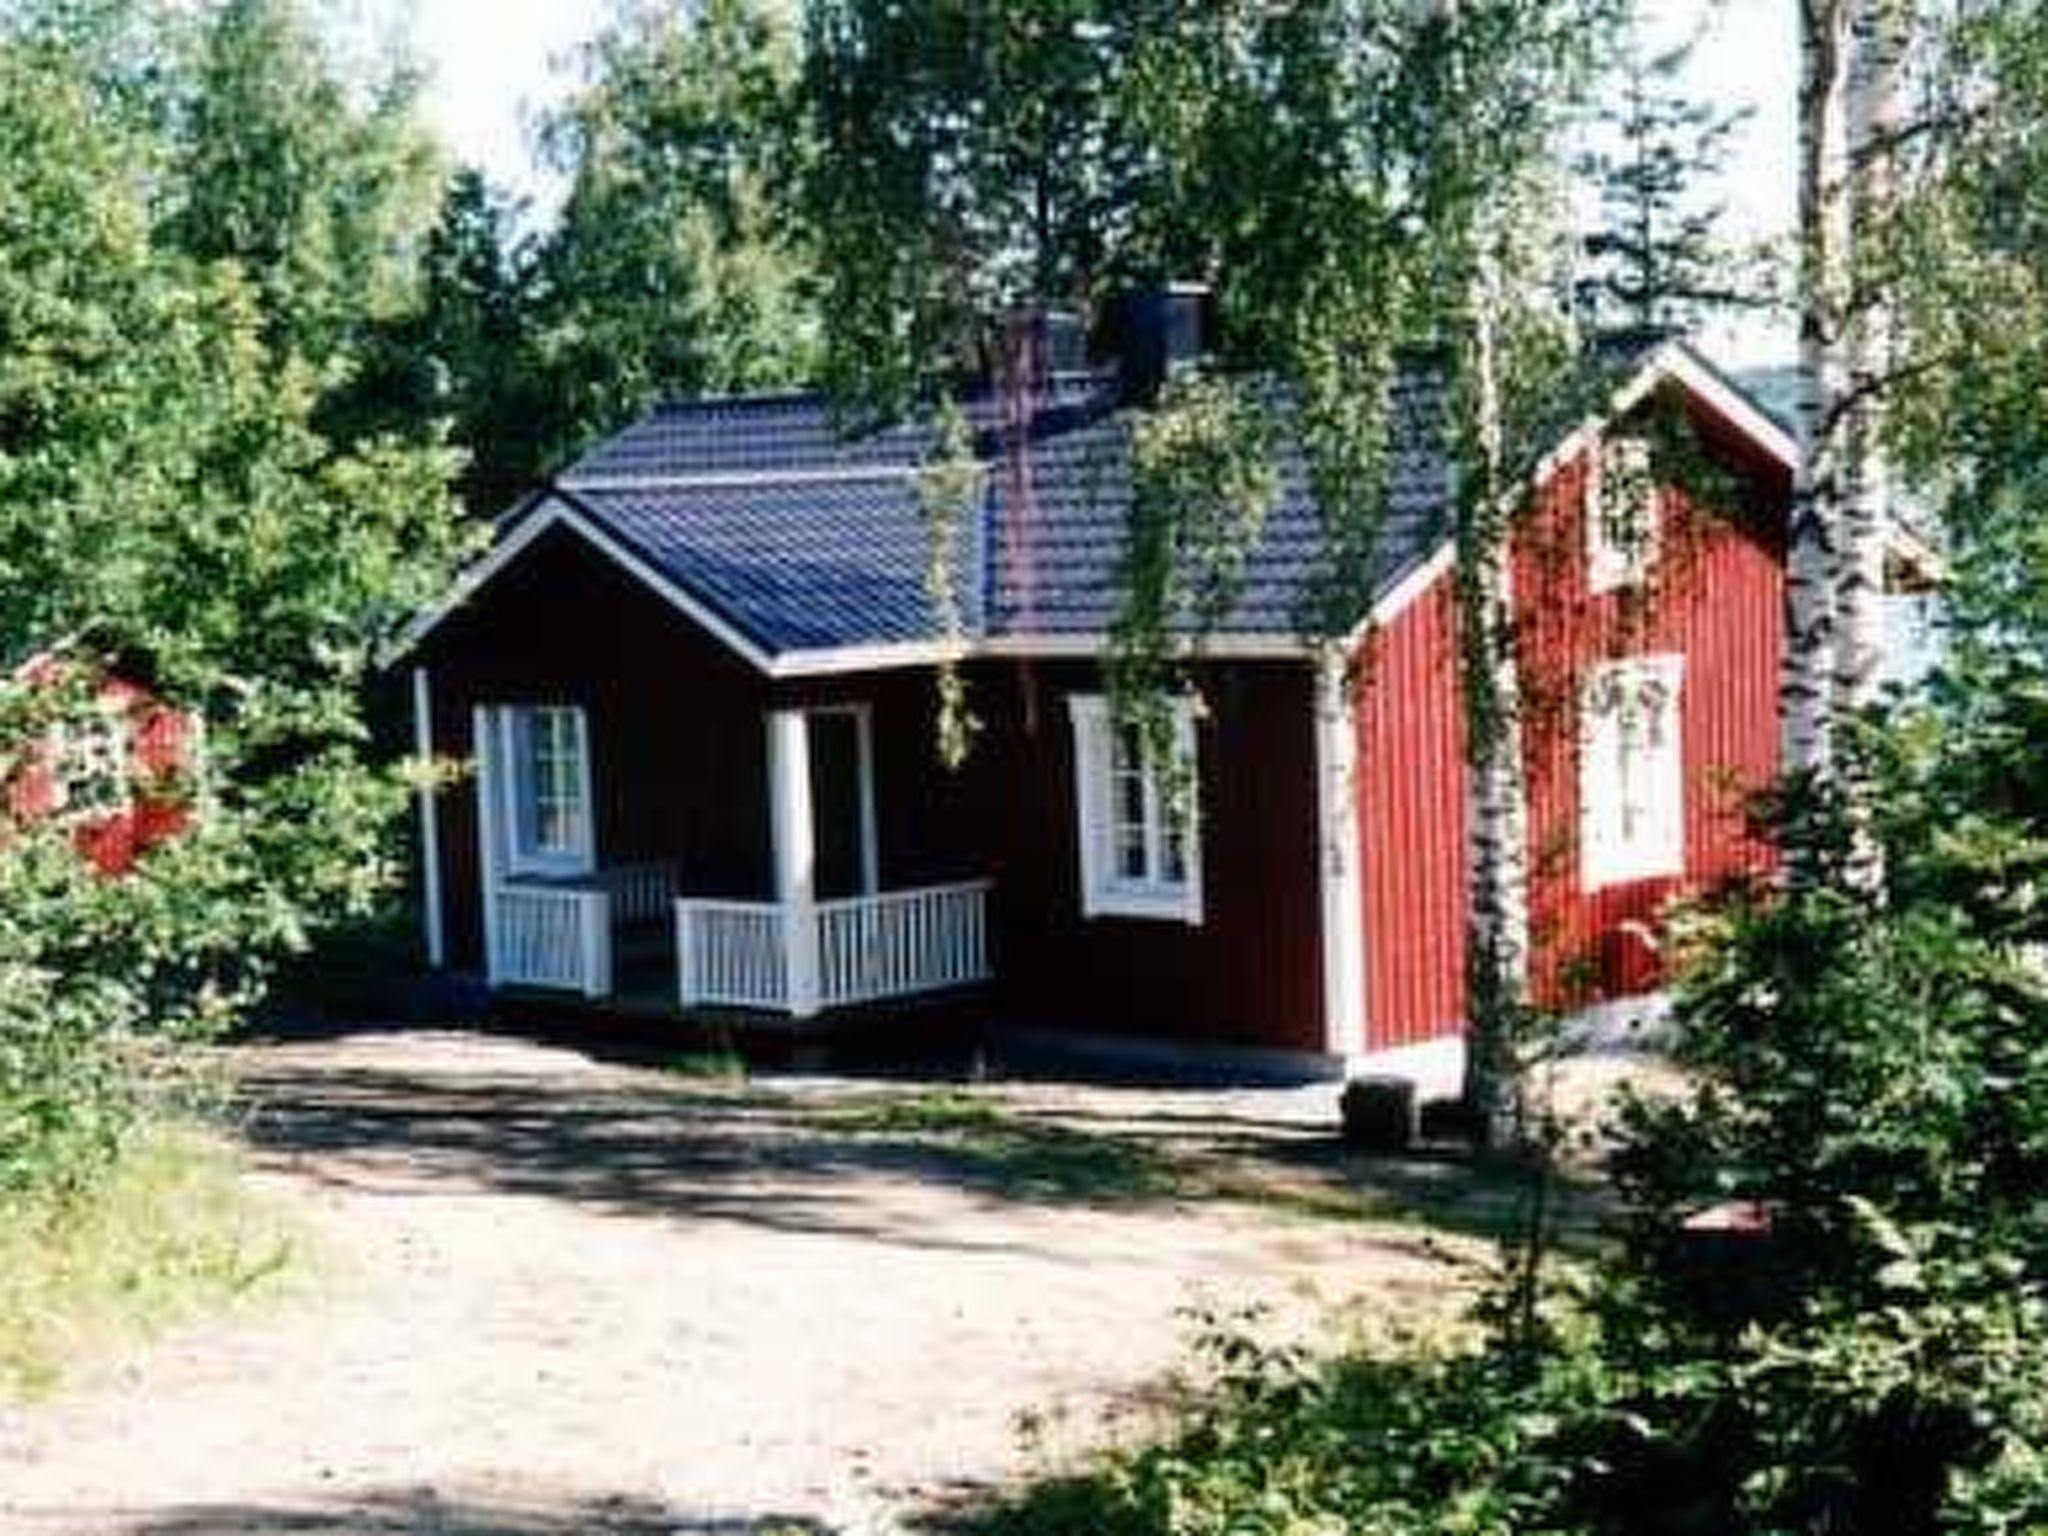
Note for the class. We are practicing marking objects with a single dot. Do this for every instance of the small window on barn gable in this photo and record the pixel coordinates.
(1632, 772)
(1140, 853)
(1622, 531)
(92, 761)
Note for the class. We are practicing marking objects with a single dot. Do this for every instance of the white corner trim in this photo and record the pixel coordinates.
(1340, 857)
(558, 513)
(1679, 363)
(1675, 363)
(837, 661)
(430, 819)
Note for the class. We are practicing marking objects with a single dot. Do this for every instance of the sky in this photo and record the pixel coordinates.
(496, 64)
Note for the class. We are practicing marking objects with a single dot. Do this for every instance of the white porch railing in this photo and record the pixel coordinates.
(902, 942)
(864, 949)
(553, 936)
(641, 893)
(731, 954)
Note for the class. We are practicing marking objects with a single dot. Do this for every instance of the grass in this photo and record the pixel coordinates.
(1026, 1155)
(1020, 1155)
(172, 1230)
(717, 1066)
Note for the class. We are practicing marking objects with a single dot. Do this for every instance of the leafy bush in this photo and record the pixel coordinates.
(169, 496)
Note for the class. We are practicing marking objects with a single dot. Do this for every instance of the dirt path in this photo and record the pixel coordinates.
(575, 1297)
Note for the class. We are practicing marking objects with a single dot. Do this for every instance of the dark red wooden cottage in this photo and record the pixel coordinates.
(694, 680)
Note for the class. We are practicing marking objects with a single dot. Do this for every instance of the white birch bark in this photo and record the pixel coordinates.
(1497, 853)
(1880, 30)
(1815, 539)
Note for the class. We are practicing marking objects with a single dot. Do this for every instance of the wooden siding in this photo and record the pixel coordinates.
(1717, 599)
(677, 739)
(1250, 974)
(1411, 821)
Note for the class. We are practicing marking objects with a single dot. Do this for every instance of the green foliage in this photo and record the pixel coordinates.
(316, 186)
(173, 504)
(676, 268)
(1202, 484)
(1656, 259)
(949, 491)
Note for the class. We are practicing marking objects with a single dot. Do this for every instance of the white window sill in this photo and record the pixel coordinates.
(1636, 872)
(562, 866)
(1153, 904)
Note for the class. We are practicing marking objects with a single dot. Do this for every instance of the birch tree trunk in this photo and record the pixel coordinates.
(1880, 31)
(1497, 853)
(1815, 539)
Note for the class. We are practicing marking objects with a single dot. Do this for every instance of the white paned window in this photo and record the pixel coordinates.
(92, 764)
(1621, 515)
(547, 752)
(1632, 771)
(1140, 855)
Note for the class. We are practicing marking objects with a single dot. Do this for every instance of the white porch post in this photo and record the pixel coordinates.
(430, 818)
(1339, 853)
(796, 894)
(484, 744)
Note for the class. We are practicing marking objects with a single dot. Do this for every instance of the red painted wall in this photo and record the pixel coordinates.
(1718, 599)
(1411, 822)
(162, 755)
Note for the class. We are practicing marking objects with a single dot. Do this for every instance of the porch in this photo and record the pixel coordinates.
(571, 906)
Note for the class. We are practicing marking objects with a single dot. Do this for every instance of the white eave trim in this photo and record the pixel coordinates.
(1673, 362)
(558, 513)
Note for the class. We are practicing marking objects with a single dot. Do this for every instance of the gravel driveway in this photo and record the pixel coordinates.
(566, 1296)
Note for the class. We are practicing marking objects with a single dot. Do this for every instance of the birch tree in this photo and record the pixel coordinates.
(1815, 538)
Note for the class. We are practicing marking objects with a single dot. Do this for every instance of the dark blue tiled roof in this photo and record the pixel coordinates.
(794, 565)
(803, 538)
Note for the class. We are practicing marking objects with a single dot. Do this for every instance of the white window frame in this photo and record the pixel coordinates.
(1614, 781)
(1622, 537)
(523, 855)
(96, 746)
(1105, 890)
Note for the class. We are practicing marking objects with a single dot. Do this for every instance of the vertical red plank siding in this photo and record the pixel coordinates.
(1717, 599)
(1411, 819)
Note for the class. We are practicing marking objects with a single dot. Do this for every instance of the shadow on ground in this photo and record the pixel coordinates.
(639, 1143)
(421, 1512)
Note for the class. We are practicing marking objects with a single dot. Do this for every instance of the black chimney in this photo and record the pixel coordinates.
(1159, 332)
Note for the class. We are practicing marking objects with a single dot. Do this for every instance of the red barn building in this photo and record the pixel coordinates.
(118, 774)
(695, 680)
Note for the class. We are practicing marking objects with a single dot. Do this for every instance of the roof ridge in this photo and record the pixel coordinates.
(713, 479)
